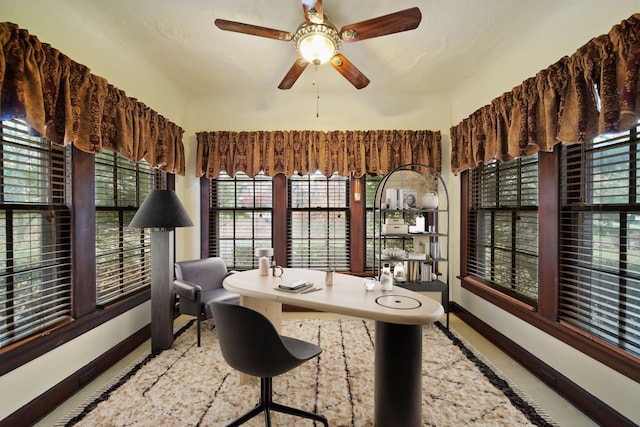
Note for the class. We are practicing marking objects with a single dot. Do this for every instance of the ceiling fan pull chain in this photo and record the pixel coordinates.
(317, 98)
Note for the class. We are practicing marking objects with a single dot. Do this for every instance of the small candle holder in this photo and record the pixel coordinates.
(264, 255)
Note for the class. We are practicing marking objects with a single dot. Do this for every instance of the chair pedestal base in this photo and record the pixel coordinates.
(267, 405)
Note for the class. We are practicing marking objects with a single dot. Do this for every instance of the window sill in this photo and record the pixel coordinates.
(33, 348)
(602, 351)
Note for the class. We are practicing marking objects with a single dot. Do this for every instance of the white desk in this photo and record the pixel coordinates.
(399, 316)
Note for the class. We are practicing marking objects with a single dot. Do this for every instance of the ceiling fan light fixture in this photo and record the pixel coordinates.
(316, 43)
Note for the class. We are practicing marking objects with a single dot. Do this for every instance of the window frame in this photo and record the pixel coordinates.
(601, 282)
(371, 240)
(86, 315)
(130, 184)
(35, 190)
(546, 315)
(312, 184)
(496, 197)
(236, 210)
(280, 224)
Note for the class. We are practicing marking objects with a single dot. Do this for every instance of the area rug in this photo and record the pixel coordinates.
(193, 386)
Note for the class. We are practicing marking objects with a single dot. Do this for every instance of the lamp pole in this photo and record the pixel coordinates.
(162, 295)
(161, 212)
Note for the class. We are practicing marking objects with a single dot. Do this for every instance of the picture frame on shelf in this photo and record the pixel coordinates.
(408, 198)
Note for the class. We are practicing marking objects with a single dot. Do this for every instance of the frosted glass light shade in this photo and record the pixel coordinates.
(317, 48)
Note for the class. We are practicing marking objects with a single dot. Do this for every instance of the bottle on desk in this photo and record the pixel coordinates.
(386, 279)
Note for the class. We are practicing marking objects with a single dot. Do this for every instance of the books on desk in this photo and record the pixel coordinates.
(296, 286)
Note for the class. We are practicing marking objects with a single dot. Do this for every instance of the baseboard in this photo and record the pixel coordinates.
(46, 402)
(579, 397)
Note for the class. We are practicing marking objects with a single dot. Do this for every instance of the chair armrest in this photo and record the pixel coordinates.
(186, 289)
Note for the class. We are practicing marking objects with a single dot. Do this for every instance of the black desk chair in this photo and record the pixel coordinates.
(251, 345)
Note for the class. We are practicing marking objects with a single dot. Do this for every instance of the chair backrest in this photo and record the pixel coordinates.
(209, 273)
(249, 342)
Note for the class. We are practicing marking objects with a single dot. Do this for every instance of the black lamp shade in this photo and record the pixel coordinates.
(161, 209)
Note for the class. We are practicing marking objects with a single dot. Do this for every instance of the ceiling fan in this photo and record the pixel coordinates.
(318, 41)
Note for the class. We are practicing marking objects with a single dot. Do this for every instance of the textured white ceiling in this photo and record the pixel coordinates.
(455, 39)
(459, 45)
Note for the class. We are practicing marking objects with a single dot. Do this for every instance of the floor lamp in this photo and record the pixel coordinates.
(161, 212)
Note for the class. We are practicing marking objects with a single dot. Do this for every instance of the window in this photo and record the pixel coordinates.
(240, 218)
(122, 253)
(314, 235)
(588, 261)
(318, 223)
(371, 184)
(599, 289)
(35, 236)
(503, 227)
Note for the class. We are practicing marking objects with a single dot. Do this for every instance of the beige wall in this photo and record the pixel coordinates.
(89, 43)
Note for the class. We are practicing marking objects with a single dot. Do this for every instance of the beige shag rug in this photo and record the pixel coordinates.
(191, 386)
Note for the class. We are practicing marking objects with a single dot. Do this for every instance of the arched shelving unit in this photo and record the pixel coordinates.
(397, 226)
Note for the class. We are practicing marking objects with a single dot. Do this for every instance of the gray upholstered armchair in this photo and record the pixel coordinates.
(199, 282)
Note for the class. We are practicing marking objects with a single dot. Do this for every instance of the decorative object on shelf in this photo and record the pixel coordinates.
(420, 224)
(394, 221)
(162, 212)
(395, 228)
(436, 250)
(392, 198)
(393, 253)
(408, 199)
(264, 255)
(426, 272)
(429, 201)
(399, 273)
(386, 279)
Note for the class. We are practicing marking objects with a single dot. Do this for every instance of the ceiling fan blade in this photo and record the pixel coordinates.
(349, 71)
(253, 30)
(404, 20)
(294, 72)
(313, 11)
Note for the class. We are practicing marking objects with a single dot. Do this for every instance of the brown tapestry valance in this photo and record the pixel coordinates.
(592, 92)
(65, 103)
(304, 151)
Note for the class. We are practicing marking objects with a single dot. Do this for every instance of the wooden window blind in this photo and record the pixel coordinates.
(599, 283)
(503, 226)
(371, 184)
(35, 234)
(240, 218)
(122, 253)
(318, 222)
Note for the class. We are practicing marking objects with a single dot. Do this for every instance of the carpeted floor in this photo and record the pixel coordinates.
(191, 386)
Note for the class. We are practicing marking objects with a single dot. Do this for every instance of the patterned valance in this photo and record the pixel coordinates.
(65, 103)
(304, 151)
(592, 92)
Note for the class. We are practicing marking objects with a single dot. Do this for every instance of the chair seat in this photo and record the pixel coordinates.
(218, 294)
(301, 350)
